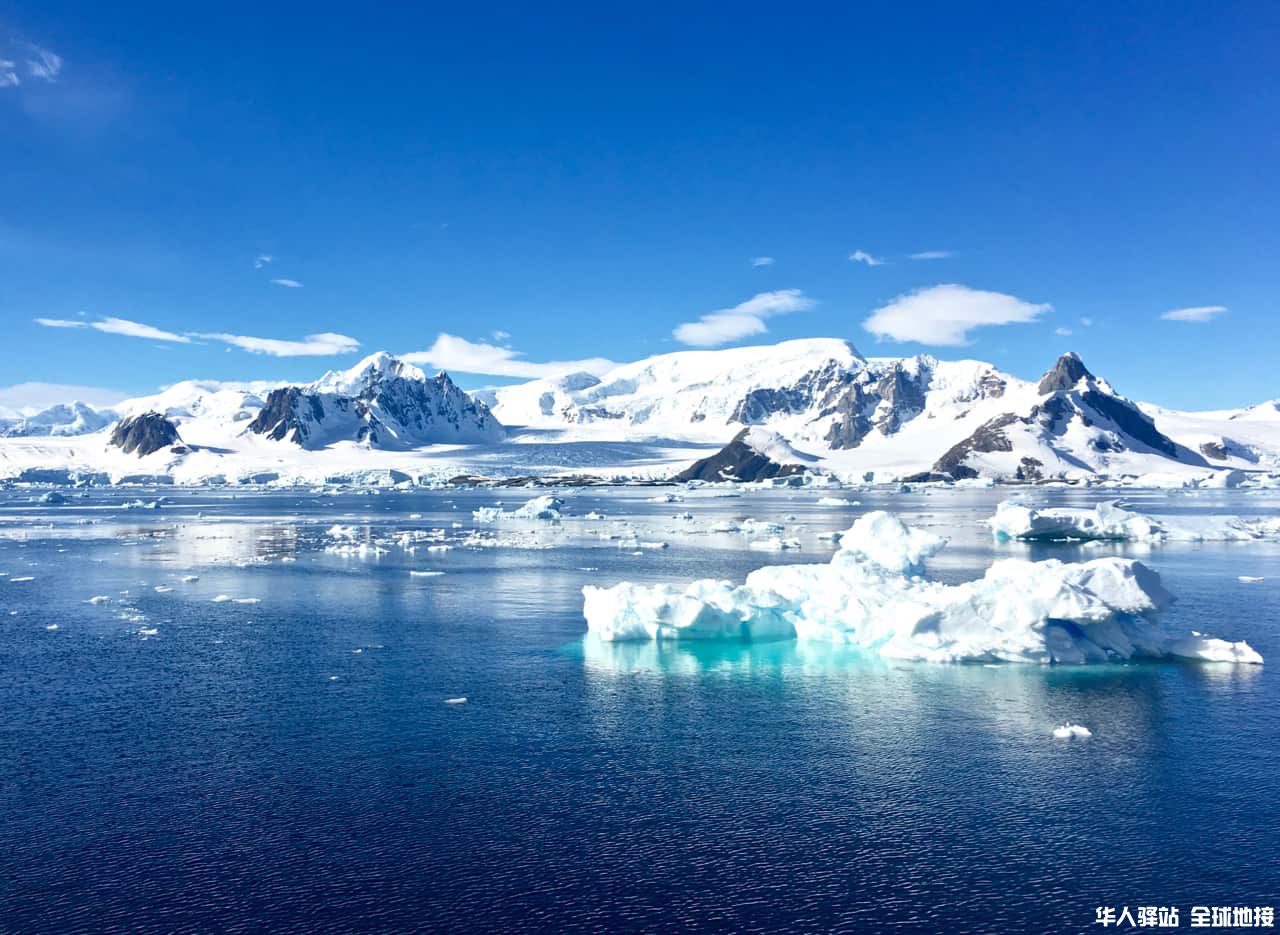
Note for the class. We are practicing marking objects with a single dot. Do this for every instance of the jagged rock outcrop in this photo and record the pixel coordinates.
(382, 403)
(754, 454)
(145, 434)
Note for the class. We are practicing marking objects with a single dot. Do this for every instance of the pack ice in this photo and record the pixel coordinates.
(874, 595)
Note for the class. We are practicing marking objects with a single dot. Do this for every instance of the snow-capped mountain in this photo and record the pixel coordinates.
(858, 418)
(1077, 424)
(75, 418)
(383, 403)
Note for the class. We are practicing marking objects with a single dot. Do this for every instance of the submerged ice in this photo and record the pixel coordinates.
(874, 595)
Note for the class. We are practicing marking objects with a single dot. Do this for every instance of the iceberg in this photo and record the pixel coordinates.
(873, 595)
(1110, 521)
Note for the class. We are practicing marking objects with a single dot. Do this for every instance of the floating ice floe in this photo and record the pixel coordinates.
(545, 508)
(188, 579)
(1069, 731)
(462, 700)
(836, 501)
(1249, 579)
(99, 599)
(1109, 521)
(774, 544)
(413, 573)
(873, 595)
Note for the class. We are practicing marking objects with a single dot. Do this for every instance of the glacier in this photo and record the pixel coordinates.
(874, 595)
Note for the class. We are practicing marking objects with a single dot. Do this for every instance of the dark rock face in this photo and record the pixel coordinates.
(1131, 420)
(737, 461)
(1214, 450)
(1066, 373)
(759, 405)
(989, 436)
(281, 418)
(902, 397)
(145, 434)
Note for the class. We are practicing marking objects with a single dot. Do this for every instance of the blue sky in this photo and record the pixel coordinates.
(552, 183)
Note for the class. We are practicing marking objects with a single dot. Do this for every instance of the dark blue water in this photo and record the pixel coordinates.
(244, 768)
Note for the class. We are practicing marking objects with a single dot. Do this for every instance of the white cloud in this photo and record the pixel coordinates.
(45, 65)
(459, 355)
(8, 77)
(134, 329)
(501, 336)
(313, 345)
(262, 259)
(1195, 313)
(1086, 322)
(741, 321)
(26, 397)
(945, 314)
(122, 326)
(861, 256)
(287, 283)
(1062, 332)
(933, 255)
(762, 261)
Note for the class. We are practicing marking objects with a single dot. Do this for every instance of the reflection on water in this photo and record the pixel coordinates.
(173, 762)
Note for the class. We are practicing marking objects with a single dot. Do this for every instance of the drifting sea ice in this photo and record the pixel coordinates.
(544, 508)
(873, 595)
(1108, 521)
(1070, 731)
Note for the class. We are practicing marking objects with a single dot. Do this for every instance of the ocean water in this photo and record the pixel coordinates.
(169, 762)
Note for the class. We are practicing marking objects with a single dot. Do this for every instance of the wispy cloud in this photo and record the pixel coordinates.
(36, 64)
(1199, 313)
(741, 321)
(324, 344)
(459, 355)
(262, 259)
(121, 326)
(44, 64)
(762, 261)
(1086, 322)
(861, 256)
(502, 336)
(1062, 332)
(945, 314)
(933, 255)
(288, 283)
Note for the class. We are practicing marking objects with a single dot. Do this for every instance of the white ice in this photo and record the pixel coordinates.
(873, 594)
(1109, 521)
(1070, 731)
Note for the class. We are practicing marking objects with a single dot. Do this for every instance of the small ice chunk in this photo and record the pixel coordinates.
(460, 700)
(836, 501)
(248, 600)
(414, 573)
(162, 589)
(1068, 731)
(223, 599)
(23, 578)
(1249, 579)
(99, 599)
(52, 626)
(188, 579)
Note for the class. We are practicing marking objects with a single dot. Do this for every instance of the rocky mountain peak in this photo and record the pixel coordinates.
(1064, 375)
